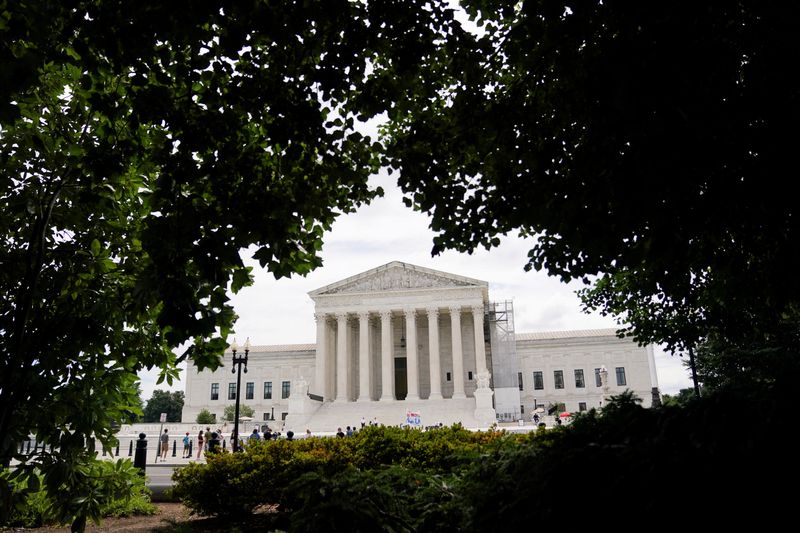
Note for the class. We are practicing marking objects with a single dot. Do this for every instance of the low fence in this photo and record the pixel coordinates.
(126, 446)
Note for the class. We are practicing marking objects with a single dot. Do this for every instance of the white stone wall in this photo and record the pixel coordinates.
(265, 363)
(586, 350)
(399, 288)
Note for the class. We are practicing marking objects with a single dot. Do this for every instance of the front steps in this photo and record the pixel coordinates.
(331, 415)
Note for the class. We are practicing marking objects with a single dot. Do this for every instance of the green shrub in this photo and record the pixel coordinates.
(391, 498)
(114, 489)
(231, 484)
(205, 417)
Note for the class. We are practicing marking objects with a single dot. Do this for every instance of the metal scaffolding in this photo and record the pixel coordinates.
(504, 363)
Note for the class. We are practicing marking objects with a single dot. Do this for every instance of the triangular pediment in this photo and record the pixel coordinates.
(397, 276)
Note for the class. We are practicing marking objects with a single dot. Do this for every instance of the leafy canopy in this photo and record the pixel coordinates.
(230, 412)
(642, 148)
(167, 402)
(143, 146)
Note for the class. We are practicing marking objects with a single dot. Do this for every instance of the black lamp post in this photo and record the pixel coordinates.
(238, 361)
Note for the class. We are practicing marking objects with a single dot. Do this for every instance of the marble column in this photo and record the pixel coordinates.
(342, 380)
(387, 360)
(480, 345)
(458, 353)
(320, 374)
(435, 365)
(412, 359)
(363, 357)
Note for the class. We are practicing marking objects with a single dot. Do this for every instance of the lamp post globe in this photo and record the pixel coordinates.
(237, 364)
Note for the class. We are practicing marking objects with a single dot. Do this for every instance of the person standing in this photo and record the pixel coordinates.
(208, 436)
(200, 440)
(363, 422)
(186, 449)
(164, 446)
(213, 444)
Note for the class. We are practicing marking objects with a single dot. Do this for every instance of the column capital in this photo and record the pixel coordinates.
(454, 309)
(341, 316)
(320, 316)
(363, 316)
(410, 311)
(477, 310)
(386, 314)
(432, 311)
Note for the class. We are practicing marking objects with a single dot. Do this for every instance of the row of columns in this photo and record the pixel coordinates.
(387, 356)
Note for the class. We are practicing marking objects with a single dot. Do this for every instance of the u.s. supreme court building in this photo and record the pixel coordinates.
(402, 338)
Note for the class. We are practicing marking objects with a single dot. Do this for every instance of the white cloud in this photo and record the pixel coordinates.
(280, 312)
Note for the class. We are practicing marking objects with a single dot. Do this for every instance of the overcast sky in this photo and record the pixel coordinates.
(280, 312)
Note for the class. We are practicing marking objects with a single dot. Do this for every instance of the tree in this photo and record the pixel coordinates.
(142, 148)
(244, 410)
(643, 149)
(683, 398)
(164, 402)
(205, 417)
(134, 414)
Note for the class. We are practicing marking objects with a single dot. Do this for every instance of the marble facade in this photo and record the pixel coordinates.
(401, 338)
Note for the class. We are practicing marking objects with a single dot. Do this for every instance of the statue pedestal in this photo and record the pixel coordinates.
(301, 407)
(484, 411)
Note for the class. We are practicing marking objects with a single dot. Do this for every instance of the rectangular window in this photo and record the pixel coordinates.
(285, 389)
(522, 409)
(519, 379)
(231, 391)
(581, 406)
(266, 416)
(267, 390)
(249, 390)
(469, 375)
(448, 376)
(598, 382)
(579, 381)
(538, 381)
(558, 378)
(621, 376)
(215, 391)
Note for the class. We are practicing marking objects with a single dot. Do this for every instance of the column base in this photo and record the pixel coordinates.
(364, 400)
(458, 396)
(412, 398)
(435, 396)
(387, 399)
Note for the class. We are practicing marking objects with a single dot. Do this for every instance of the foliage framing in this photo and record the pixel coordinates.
(644, 148)
(143, 146)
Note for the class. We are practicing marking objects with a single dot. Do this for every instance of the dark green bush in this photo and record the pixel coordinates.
(231, 484)
(715, 462)
(116, 489)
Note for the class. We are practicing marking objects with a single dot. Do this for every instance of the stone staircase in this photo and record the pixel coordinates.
(328, 416)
